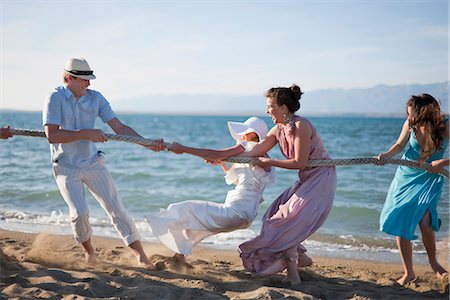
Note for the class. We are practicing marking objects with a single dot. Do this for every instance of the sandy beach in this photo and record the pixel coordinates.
(51, 266)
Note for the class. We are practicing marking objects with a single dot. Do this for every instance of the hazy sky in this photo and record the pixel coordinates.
(139, 48)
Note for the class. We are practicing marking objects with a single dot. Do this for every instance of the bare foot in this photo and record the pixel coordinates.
(89, 253)
(139, 252)
(147, 265)
(304, 260)
(90, 258)
(406, 279)
(443, 286)
(439, 270)
(144, 262)
(292, 281)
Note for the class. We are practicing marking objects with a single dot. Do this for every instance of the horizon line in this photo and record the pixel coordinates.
(230, 113)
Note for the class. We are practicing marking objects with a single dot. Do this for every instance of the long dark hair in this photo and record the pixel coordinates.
(426, 112)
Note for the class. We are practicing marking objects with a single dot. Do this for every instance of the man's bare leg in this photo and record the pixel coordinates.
(138, 250)
(89, 252)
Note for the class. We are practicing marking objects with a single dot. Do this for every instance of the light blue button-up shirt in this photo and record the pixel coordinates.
(63, 109)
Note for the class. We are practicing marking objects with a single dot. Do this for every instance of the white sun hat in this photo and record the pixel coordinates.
(253, 124)
(78, 67)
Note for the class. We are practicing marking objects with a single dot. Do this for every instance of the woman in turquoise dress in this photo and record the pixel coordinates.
(414, 193)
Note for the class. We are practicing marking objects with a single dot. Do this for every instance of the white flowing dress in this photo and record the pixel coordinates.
(184, 224)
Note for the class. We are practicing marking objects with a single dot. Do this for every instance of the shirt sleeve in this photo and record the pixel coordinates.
(231, 175)
(105, 111)
(52, 110)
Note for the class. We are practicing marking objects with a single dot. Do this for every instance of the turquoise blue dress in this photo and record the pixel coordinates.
(412, 192)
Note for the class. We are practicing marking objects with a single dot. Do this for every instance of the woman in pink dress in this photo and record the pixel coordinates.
(301, 209)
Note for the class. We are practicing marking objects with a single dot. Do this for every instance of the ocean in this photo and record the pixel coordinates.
(148, 181)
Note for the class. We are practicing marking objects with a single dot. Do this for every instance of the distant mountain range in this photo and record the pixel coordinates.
(377, 100)
(381, 99)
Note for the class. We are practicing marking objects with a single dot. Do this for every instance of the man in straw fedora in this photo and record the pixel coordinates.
(69, 115)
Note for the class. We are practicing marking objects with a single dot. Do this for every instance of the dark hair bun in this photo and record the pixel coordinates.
(296, 92)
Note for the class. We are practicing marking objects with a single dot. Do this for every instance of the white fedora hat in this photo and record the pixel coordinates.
(253, 124)
(78, 67)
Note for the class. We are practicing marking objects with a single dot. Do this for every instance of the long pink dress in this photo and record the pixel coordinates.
(297, 213)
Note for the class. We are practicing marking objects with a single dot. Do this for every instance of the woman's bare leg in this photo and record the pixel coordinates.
(405, 248)
(429, 242)
(291, 262)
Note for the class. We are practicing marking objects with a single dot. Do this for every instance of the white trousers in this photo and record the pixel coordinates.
(98, 180)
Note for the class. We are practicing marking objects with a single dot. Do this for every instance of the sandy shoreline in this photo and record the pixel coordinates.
(51, 266)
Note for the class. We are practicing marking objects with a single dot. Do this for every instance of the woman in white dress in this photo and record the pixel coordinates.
(183, 225)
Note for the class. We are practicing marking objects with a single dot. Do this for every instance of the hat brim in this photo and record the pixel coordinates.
(85, 77)
(237, 130)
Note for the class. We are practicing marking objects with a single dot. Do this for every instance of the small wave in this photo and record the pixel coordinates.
(54, 218)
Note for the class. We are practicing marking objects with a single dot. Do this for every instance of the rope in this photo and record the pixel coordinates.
(312, 163)
(352, 161)
(116, 137)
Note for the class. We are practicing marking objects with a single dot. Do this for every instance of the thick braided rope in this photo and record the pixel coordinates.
(115, 137)
(236, 159)
(351, 161)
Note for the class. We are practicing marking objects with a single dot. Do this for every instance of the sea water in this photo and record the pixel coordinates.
(148, 181)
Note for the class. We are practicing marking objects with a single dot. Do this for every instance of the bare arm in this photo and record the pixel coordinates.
(438, 165)
(120, 128)
(55, 135)
(224, 166)
(264, 146)
(302, 145)
(399, 145)
(58, 135)
(208, 154)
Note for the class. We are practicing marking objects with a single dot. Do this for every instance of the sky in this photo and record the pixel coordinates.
(144, 48)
